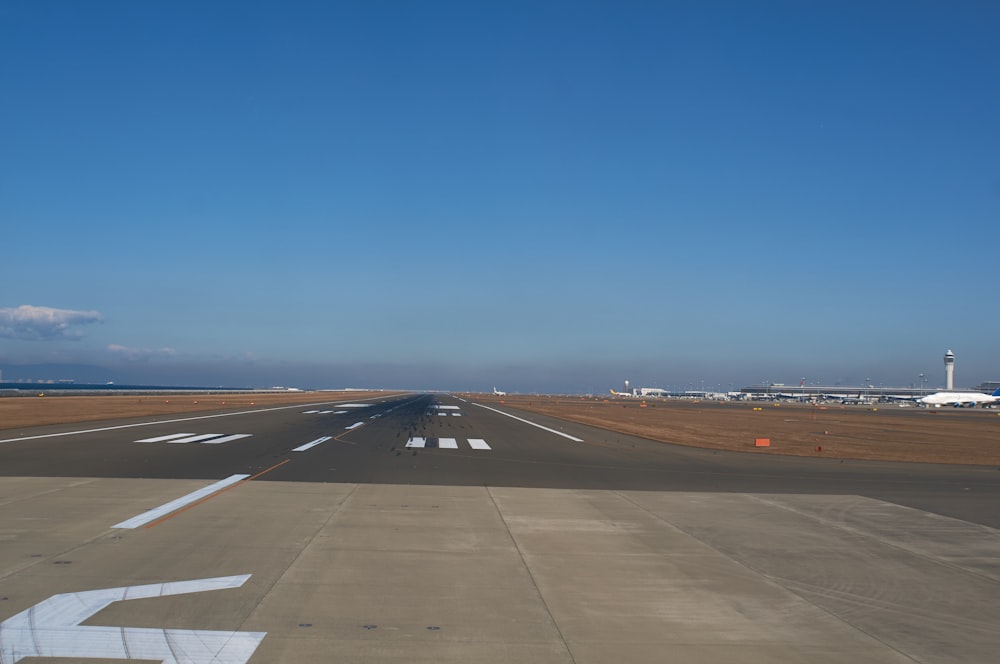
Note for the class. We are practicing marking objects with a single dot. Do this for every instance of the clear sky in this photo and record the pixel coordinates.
(542, 196)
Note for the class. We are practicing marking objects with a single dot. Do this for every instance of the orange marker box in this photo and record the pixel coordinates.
(762, 442)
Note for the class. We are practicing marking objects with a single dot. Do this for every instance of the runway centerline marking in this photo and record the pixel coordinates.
(310, 445)
(521, 419)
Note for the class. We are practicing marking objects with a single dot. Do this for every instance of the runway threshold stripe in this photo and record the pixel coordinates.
(197, 439)
(479, 444)
(174, 505)
(416, 442)
(226, 439)
(160, 439)
(520, 419)
(310, 445)
(448, 443)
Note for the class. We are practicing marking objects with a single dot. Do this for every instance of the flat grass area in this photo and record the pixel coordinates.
(884, 433)
(28, 411)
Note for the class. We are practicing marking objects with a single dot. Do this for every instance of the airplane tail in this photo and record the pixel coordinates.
(997, 393)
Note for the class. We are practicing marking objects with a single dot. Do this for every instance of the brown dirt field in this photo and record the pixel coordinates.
(18, 412)
(886, 433)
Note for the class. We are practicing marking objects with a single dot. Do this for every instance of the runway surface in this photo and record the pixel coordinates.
(428, 528)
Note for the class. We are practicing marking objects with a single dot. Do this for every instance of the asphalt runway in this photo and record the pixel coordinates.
(428, 528)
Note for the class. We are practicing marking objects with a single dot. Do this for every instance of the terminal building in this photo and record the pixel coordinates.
(809, 392)
(867, 392)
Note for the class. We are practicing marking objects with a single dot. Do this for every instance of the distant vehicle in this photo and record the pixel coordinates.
(498, 392)
(960, 399)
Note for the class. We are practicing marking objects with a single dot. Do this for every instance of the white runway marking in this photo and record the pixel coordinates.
(339, 412)
(445, 443)
(353, 405)
(205, 439)
(52, 629)
(437, 407)
(519, 419)
(226, 439)
(454, 414)
(174, 505)
(309, 412)
(198, 438)
(355, 425)
(160, 439)
(318, 441)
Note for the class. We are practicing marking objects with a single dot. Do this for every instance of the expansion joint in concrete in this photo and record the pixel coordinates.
(534, 582)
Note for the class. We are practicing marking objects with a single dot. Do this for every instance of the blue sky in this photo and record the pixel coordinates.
(543, 196)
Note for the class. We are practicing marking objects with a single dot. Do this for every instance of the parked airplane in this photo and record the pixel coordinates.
(498, 392)
(960, 399)
(622, 394)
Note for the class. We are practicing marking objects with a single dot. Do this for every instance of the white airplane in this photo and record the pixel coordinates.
(622, 394)
(498, 392)
(960, 399)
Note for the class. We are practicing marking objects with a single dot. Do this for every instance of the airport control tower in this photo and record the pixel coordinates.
(949, 371)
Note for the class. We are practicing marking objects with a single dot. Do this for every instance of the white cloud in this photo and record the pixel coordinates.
(132, 353)
(35, 323)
